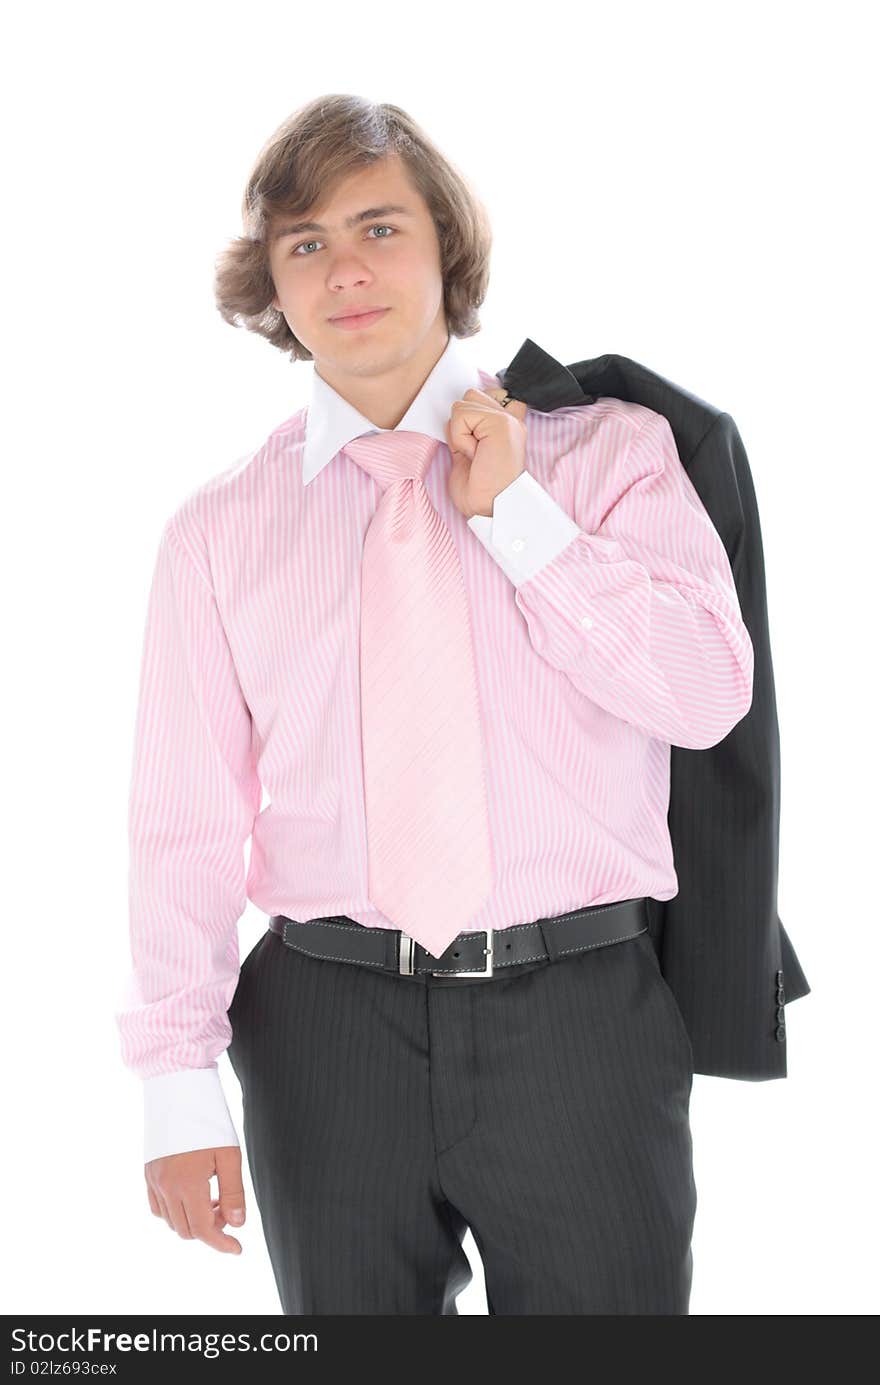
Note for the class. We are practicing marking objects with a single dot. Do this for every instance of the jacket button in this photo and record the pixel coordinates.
(779, 977)
(780, 1033)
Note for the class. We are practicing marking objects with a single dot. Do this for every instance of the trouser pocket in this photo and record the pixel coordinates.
(648, 953)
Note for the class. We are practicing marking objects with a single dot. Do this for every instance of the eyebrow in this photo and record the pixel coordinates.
(368, 214)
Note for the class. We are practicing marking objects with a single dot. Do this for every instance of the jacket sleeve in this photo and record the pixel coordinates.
(194, 795)
(642, 615)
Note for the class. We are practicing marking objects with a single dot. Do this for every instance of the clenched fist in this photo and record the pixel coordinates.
(488, 445)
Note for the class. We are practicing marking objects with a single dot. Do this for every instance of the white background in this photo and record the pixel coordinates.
(686, 184)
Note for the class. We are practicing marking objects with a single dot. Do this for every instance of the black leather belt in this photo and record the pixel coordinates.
(479, 955)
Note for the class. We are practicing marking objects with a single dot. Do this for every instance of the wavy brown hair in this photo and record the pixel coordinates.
(302, 162)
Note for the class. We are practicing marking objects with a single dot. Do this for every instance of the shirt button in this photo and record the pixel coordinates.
(586, 620)
(517, 544)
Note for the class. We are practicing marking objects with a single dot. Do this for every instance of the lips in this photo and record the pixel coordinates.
(359, 319)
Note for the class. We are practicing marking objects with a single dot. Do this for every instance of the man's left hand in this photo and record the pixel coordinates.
(488, 446)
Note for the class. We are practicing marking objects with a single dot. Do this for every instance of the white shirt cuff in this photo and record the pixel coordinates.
(185, 1110)
(526, 530)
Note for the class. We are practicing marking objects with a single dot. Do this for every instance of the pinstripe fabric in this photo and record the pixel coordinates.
(250, 679)
(547, 1111)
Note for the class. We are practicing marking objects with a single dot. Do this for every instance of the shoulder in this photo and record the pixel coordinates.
(608, 432)
(226, 499)
(604, 415)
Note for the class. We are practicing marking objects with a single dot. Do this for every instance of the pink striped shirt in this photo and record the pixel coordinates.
(606, 627)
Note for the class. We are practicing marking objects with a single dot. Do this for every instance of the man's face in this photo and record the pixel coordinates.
(346, 261)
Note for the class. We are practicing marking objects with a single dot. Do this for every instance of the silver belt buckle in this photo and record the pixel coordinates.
(405, 958)
(407, 952)
(489, 950)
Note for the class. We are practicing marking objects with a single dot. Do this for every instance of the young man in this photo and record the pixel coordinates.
(454, 639)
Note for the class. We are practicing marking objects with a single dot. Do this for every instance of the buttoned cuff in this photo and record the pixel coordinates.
(185, 1110)
(526, 530)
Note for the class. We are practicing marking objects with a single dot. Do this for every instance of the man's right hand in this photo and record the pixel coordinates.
(179, 1189)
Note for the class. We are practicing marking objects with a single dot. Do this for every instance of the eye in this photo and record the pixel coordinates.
(302, 243)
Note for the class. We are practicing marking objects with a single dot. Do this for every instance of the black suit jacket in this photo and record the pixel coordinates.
(721, 944)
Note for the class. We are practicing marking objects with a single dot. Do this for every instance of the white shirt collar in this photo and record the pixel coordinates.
(331, 421)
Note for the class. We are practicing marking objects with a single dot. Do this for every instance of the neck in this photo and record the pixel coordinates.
(383, 395)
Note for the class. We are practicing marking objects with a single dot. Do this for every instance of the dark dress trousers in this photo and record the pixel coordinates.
(547, 1111)
(721, 944)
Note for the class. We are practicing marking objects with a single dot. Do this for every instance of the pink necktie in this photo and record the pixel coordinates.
(429, 851)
